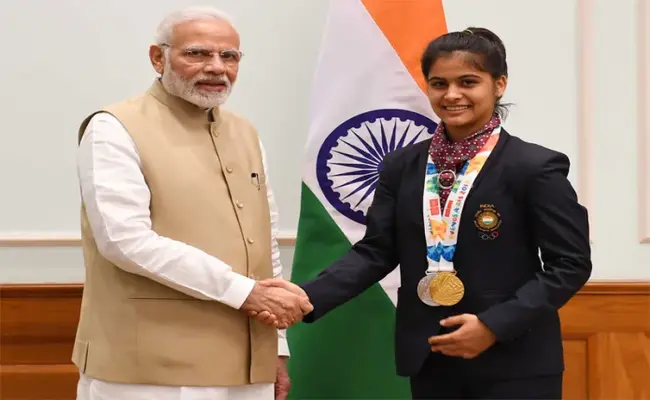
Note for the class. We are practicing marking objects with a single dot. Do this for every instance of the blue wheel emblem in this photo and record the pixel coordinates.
(347, 166)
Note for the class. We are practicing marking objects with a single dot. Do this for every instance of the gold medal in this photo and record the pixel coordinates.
(446, 289)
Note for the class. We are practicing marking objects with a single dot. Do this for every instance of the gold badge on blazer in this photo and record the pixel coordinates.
(487, 220)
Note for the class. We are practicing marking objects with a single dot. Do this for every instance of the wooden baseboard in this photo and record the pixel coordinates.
(606, 329)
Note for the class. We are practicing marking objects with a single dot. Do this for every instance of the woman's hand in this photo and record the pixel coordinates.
(468, 341)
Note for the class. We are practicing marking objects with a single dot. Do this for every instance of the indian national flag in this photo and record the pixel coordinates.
(368, 99)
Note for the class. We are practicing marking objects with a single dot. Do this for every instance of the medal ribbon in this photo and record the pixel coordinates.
(441, 230)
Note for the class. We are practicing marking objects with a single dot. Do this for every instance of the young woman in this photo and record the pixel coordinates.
(466, 215)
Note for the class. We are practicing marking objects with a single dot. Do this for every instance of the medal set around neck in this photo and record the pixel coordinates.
(440, 285)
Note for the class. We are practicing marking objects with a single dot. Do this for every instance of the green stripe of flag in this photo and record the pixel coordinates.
(348, 354)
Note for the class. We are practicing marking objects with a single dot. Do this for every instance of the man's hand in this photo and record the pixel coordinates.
(268, 317)
(275, 305)
(284, 284)
(282, 382)
(468, 341)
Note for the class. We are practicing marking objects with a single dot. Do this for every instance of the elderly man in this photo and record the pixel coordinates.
(178, 228)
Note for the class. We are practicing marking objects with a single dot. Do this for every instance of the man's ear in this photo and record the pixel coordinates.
(157, 57)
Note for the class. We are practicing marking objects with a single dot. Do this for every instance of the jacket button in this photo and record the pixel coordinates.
(240, 205)
(229, 169)
(251, 241)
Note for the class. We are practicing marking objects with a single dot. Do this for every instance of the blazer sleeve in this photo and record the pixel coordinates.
(561, 231)
(369, 260)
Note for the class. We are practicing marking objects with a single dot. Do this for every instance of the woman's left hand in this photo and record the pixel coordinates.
(468, 341)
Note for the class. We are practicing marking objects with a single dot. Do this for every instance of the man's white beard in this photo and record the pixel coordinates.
(187, 90)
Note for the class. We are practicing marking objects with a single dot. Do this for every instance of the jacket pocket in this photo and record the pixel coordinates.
(145, 288)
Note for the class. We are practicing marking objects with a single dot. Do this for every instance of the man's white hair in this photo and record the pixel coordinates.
(166, 26)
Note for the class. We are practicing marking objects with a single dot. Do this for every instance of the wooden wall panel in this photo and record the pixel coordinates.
(37, 329)
(606, 330)
(42, 382)
(575, 382)
(611, 322)
(620, 364)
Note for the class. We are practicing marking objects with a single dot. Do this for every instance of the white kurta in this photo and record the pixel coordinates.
(117, 198)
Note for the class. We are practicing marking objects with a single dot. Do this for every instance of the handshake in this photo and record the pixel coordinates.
(277, 302)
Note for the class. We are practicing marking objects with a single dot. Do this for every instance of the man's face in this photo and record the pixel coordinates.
(201, 63)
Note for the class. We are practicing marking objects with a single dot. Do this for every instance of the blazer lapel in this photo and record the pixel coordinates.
(503, 137)
(421, 171)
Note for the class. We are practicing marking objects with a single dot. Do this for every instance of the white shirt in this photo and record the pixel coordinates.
(117, 198)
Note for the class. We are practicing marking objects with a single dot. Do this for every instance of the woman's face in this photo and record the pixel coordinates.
(462, 96)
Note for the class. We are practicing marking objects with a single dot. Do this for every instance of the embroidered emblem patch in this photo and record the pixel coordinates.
(487, 220)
